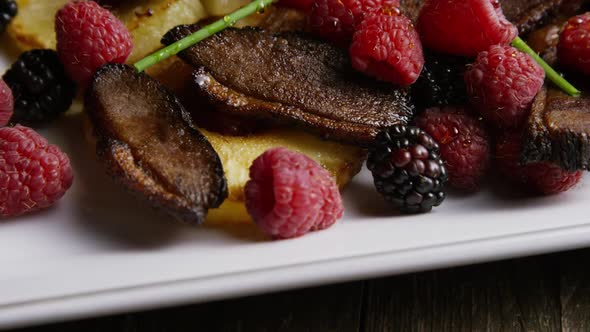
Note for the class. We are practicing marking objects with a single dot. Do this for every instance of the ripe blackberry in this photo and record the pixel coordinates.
(8, 10)
(407, 169)
(441, 81)
(40, 87)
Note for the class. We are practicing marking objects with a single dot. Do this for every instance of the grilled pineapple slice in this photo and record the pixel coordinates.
(147, 21)
(222, 7)
(238, 152)
(33, 27)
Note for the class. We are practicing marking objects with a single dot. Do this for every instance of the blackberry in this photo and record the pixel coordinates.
(407, 169)
(40, 86)
(441, 81)
(8, 10)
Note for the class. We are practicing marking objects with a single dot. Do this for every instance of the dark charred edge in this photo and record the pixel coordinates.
(562, 146)
(107, 148)
(537, 16)
(108, 151)
(537, 145)
(181, 30)
(570, 151)
(338, 130)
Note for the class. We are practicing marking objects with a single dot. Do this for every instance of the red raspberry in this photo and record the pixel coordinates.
(464, 27)
(550, 179)
(332, 20)
(502, 84)
(387, 47)
(464, 144)
(542, 177)
(289, 194)
(507, 155)
(304, 5)
(573, 50)
(336, 20)
(33, 173)
(362, 8)
(89, 36)
(6, 103)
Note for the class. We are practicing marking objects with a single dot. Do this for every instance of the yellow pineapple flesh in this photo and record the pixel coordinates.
(33, 27)
(238, 152)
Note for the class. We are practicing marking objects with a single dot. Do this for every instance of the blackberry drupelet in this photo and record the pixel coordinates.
(40, 86)
(8, 10)
(441, 81)
(407, 169)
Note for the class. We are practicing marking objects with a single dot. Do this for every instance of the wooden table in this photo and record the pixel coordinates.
(546, 293)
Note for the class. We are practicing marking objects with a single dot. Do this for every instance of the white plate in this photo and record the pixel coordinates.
(100, 252)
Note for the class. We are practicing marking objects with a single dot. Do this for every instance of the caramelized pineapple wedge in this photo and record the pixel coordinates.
(33, 27)
(147, 20)
(238, 152)
(222, 7)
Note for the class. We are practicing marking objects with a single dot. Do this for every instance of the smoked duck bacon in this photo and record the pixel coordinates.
(558, 130)
(145, 139)
(294, 80)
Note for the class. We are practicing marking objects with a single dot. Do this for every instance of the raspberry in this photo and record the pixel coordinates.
(407, 169)
(464, 27)
(464, 144)
(89, 36)
(336, 20)
(387, 47)
(550, 179)
(361, 8)
(502, 84)
(332, 20)
(6, 103)
(304, 5)
(8, 10)
(289, 194)
(573, 50)
(507, 155)
(33, 173)
(541, 177)
(40, 86)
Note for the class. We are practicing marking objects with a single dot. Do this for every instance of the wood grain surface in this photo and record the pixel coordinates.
(546, 293)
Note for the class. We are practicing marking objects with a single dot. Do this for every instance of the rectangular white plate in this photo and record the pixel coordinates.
(101, 252)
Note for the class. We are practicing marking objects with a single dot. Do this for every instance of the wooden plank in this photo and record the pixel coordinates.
(331, 308)
(510, 296)
(575, 291)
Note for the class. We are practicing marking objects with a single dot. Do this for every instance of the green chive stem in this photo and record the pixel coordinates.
(205, 32)
(554, 76)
